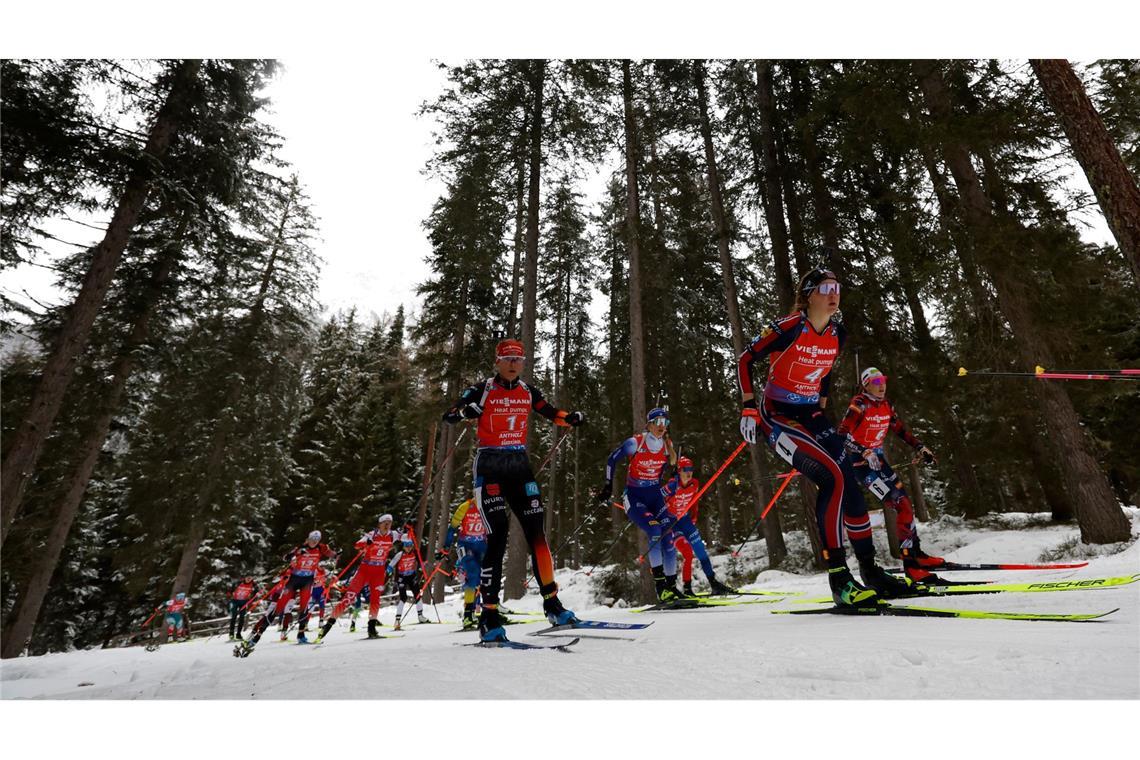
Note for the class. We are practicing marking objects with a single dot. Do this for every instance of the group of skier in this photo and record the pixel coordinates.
(661, 490)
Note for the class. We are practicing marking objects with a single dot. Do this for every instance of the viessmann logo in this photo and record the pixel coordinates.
(816, 350)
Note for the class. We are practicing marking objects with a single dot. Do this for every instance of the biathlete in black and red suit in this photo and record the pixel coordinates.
(242, 591)
(303, 563)
(802, 348)
(869, 417)
(503, 479)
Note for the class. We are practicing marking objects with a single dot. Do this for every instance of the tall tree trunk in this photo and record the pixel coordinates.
(199, 512)
(774, 203)
(46, 560)
(429, 454)
(773, 534)
(515, 572)
(23, 453)
(1100, 517)
(520, 220)
(1114, 186)
(633, 233)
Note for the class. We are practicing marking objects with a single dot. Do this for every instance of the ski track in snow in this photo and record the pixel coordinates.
(741, 652)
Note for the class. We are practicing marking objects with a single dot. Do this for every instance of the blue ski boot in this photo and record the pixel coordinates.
(491, 625)
(556, 614)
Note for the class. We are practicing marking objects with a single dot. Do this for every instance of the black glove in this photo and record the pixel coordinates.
(605, 492)
(471, 411)
(927, 455)
(574, 419)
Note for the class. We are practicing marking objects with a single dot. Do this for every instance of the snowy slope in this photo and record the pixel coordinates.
(736, 652)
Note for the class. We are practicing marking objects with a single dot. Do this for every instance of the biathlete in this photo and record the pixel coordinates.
(405, 565)
(176, 617)
(469, 532)
(869, 417)
(644, 498)
(680, 494)
(303, 563)
(376, 546)
(503, 479)
(242, 591)
(802, 349)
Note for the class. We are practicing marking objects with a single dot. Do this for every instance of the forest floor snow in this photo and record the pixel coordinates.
(739, 652)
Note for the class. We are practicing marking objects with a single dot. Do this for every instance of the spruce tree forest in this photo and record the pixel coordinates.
(188, 411)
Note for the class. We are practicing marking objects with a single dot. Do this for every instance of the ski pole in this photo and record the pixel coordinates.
(147, 621)
(420, 559)
(450, 452)
(609, 549)
(1041, 374)
(553, 449)
(705, 487)
(787, 476)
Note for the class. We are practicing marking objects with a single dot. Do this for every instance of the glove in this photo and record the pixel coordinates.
(872, 459)
(388, 570)
(369, 541)
(927, 455)
(605, 493)
(471, 411)
(665, 519)
(439, 555)
(574, 419)
(748, 417)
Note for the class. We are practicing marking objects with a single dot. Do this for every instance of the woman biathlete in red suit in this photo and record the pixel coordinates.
(869, 417)
(376, 546)
(802, 348)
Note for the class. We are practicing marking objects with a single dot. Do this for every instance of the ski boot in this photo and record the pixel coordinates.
(720, 589)
(301, 638)
(352, 626)
(396, 625)
(688, 589)
(421, 617)
(373, 628)
(284, 635)
(917, 564)
(244, 648)
(325, 628)
(666, 591)
(491, 625)
(884, 584)
(556, 614)
(845, 592)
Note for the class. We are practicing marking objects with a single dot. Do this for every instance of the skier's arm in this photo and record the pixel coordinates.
(775, 337)
(467, 407)
(553, 413)
(626, 449)
(852, 418)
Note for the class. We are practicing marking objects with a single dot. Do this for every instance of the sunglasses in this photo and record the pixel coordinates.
(686, 469)
(511, 359)
(660, 421)
(828, 288)
(878, 381)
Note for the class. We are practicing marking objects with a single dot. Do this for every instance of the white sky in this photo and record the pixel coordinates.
(352, 133)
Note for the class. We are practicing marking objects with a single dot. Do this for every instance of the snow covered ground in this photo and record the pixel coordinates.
(741, 652)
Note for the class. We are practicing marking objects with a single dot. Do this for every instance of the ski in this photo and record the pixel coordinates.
(520, 645)
(968, 566)
(1069, 585)
(383, 636)
(696, 603)
(888, 609)
(738, 592)
(596, 625)
(1009, 588)
(521, 621)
